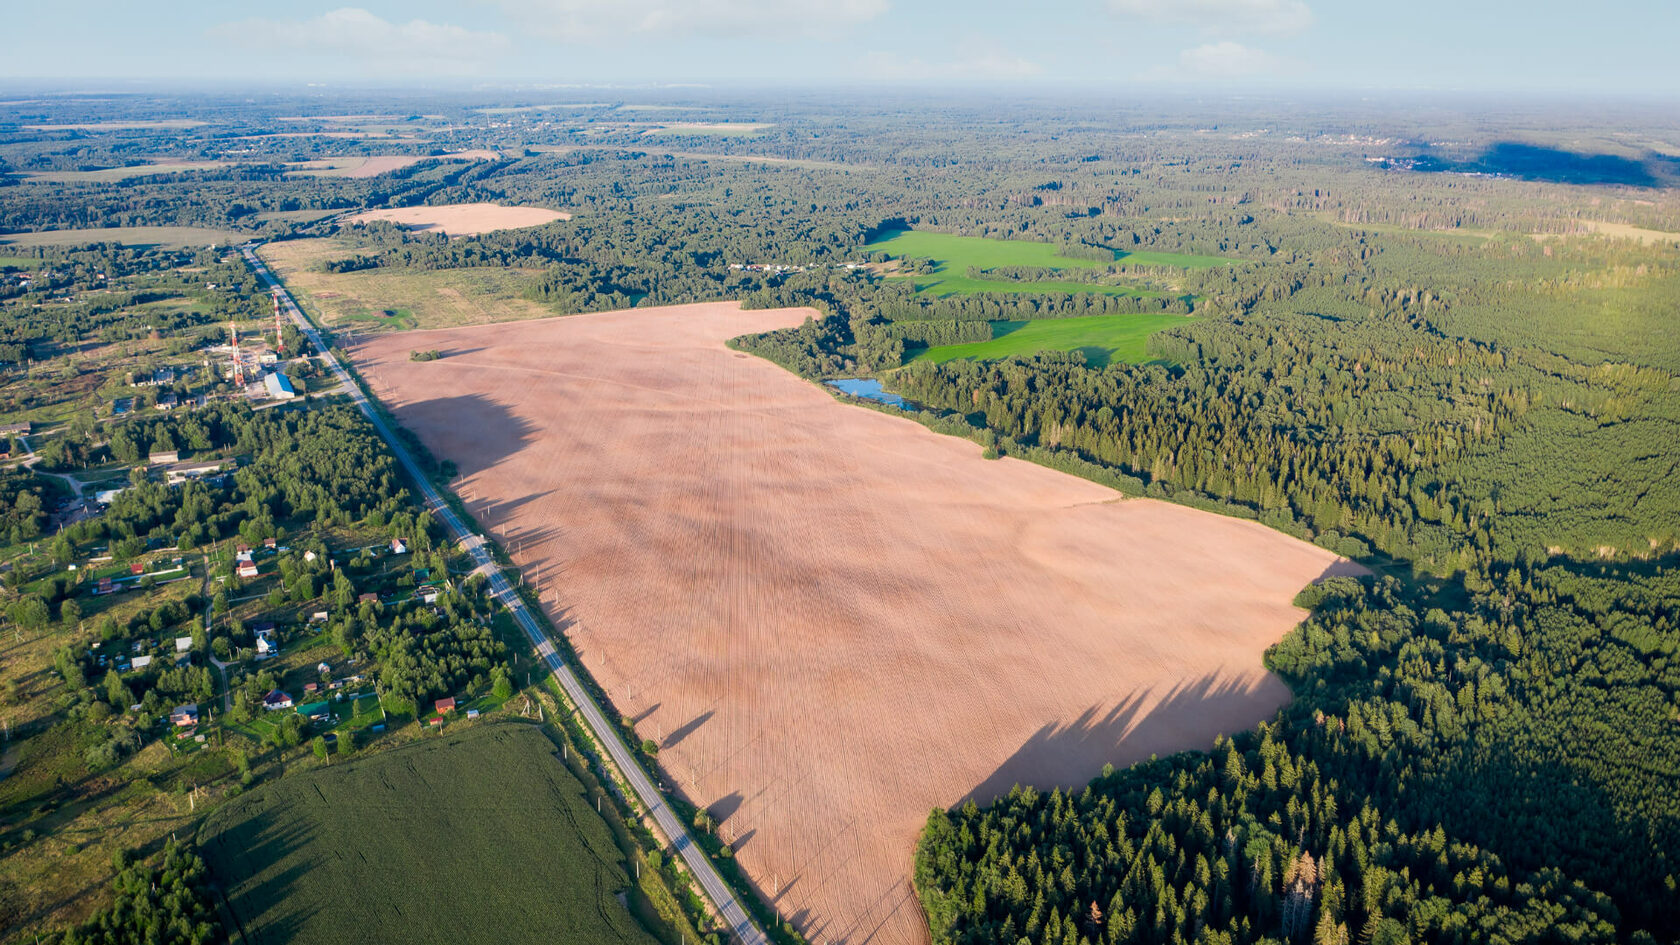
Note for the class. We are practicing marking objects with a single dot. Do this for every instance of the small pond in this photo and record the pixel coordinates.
(870, 389)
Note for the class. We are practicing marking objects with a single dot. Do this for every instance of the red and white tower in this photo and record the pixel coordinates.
(279, 338)
(238, 364)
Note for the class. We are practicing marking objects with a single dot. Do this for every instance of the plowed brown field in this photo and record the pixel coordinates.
(831, 618)
(463, 219)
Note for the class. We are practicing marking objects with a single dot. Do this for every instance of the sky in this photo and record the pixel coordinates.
(1609, 48)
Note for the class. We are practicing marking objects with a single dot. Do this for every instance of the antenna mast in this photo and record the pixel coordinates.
(238, 365)
(279, 339)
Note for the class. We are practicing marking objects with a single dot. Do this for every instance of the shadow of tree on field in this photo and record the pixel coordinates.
(1189, 716)
(473, 431)
(725, 807)
(251, 858)
(686, 729)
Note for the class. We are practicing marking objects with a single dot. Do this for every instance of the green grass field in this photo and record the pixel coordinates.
(953, 255)
(478, 834)
(170, 236)
(1102, 339)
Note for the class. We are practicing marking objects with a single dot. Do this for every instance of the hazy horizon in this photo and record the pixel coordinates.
(1271, 46)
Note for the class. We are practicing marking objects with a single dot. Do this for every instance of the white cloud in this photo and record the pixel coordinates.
(1228, 60)
(583, 20)
(1275, 17)
(415, 46)
(977, 65)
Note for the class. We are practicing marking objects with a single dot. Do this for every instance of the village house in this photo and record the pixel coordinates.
(184, 716)
(247, 568)
(446, 704)
(276, 700)
(266, 645)
(399, 547)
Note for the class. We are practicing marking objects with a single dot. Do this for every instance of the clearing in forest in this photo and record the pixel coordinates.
(436, 841)
(463, 219)
(954, 255)
(828, 618)
(383, 299)
(1101, 338)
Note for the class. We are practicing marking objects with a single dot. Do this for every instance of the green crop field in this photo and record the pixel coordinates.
(953, 255)
(170, 236)
(1102, 338)
(465, 837)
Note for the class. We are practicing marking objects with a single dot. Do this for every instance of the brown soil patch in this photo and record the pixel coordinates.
(831, 618)
(464, 219)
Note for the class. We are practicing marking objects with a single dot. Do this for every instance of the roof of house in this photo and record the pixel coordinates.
(279, 384)
(275, 697)
(446, 704)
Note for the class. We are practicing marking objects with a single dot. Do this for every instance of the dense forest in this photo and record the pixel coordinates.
(1502, 771)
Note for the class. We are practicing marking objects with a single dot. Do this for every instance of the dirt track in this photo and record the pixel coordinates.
(832, 619)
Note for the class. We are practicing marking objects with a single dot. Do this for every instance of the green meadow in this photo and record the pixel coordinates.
(1101, 338)
(953, 255)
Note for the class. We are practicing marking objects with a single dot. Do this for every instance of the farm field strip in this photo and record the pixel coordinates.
(1102, 338)
(461, 219)
(831, 619)
(173, 236)
(954, 255)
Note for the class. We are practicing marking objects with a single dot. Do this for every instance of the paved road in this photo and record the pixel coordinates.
(742, 924)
